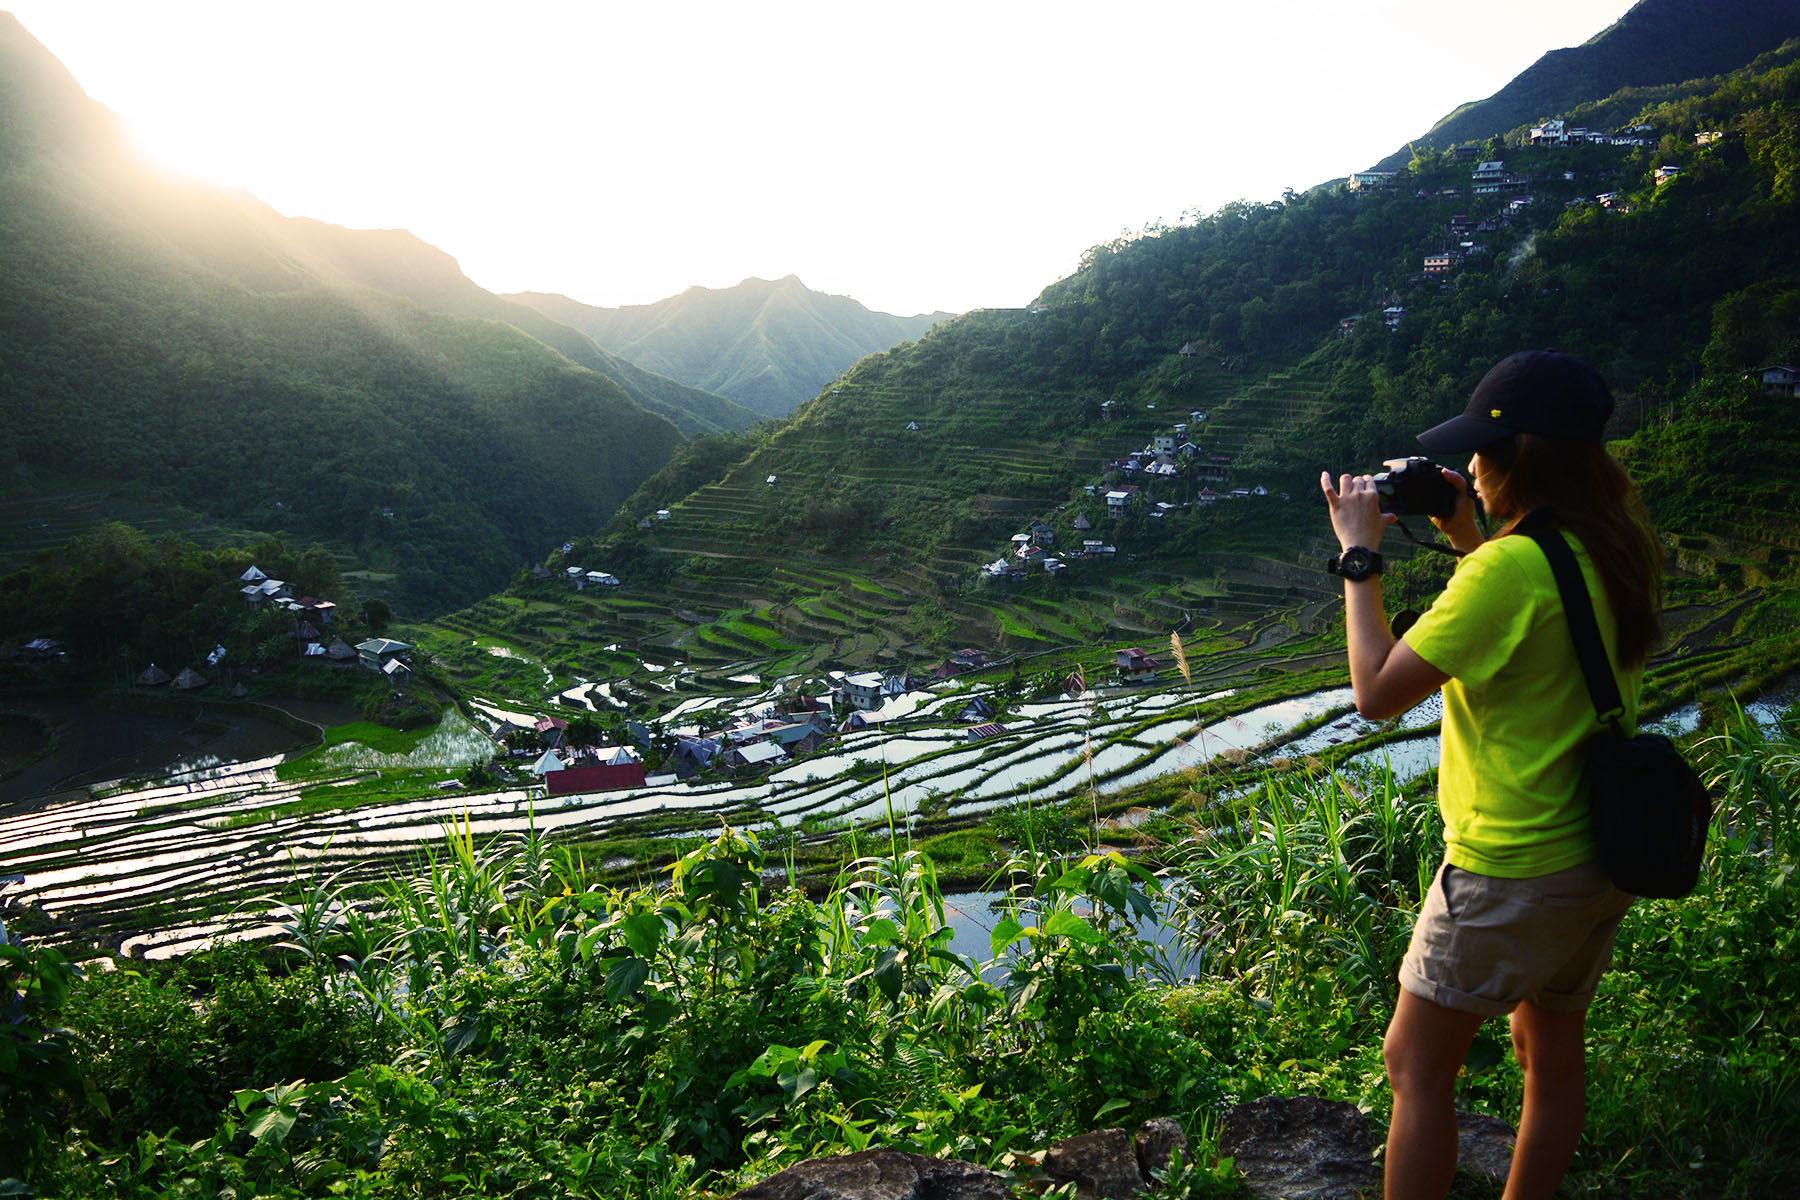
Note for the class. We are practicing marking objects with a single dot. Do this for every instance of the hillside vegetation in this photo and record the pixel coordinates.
(1652, 44)
(189, 346)
(502, 1022)
(1309, 334)
(767, 345)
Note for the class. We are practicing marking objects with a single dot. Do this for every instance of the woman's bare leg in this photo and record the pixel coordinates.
(1550, 1047)
(1424, 1049)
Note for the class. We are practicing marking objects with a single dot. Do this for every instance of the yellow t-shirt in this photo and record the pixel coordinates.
(1517, 715)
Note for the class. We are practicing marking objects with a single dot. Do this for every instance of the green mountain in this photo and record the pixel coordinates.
(1656, 42)
(1311, 333)
(394, 261)
(176, 343)
(767, 345)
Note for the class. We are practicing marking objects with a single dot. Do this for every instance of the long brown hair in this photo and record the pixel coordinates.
(1595, 499)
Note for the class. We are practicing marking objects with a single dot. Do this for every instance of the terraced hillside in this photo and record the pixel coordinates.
(45, 520)
(855, 538)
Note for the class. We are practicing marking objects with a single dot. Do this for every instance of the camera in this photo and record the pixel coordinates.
(1416, 487)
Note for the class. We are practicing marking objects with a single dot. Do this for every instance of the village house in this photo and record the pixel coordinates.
(980, 733)
(756, 754)
(1361, 181)
(376, 653)
(858, 721)
(606, 769)
(976, 710)
(1665, 173)
(1779, 380)
(1136, 666)
(1119, 499)
(1043, 533)
(862, 691)
(39, 650)
(694, 754)
(318, 611)
(959, 663)
(1437, 264)
(1550, 133)
(264, 590)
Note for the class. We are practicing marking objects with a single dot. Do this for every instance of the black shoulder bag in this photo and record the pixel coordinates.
(1650, 811)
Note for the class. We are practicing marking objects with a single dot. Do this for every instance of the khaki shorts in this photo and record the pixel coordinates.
(1485, 944)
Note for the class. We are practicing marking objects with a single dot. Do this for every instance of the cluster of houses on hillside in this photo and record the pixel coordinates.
(1561, 133)
(312, 619)
(1158, 461)
(1491, 175)
(1168, 456)
(765, 738)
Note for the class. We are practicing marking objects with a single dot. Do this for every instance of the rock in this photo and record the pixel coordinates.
(1108, 1164)
(1103, 1164)
(1484, 1146)
(879, 1175)
(1302, 1148)
(1156, 1142)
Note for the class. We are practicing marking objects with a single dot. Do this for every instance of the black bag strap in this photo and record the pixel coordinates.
(1578, 607)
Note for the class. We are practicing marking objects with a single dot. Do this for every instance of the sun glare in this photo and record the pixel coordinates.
(183, 152)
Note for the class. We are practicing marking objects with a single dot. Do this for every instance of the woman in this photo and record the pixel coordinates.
(1520, 918)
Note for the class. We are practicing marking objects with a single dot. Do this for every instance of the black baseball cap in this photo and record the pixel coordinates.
(1533, 391)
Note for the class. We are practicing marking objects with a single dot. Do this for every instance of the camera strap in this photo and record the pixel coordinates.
(1440, 547)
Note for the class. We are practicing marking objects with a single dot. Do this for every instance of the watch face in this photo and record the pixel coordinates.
(1355, 563)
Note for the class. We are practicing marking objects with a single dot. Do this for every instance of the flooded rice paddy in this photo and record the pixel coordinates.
(113, 854)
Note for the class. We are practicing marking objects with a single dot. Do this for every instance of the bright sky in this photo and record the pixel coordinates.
(938, 154)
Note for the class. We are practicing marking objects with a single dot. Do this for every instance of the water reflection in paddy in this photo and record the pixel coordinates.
(454, 743)
(119, 852)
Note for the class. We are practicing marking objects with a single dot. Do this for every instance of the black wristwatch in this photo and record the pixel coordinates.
(1357, 562)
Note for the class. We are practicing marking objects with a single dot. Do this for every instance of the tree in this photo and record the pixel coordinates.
(377, 615)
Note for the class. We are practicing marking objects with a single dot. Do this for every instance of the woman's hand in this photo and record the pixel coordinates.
(1356, 515)
(1460, 525)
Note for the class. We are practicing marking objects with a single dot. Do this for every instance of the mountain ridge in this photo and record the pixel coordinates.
(189, 342)
(770, 345)
(1654, 42)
